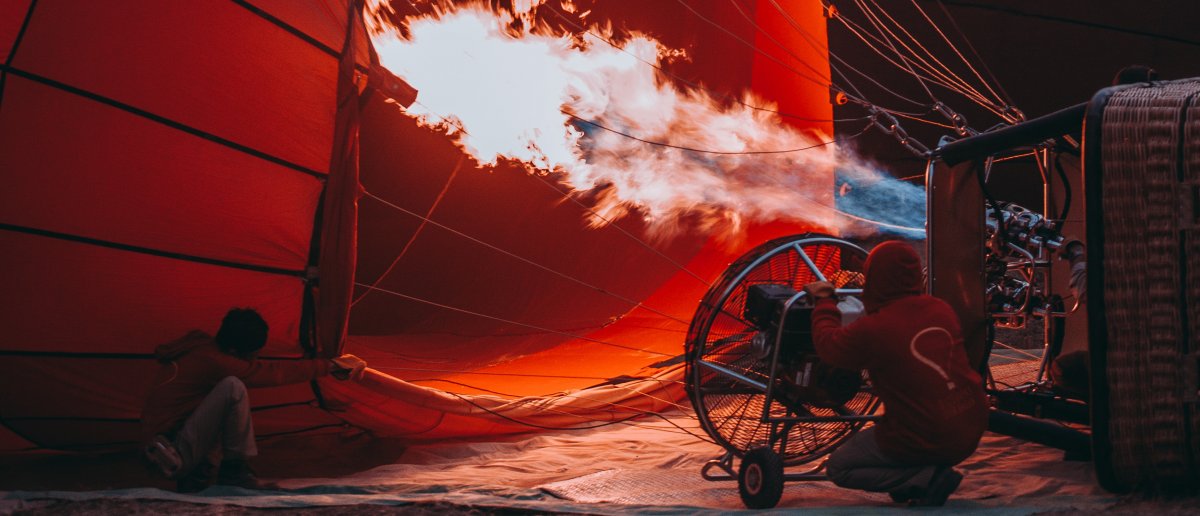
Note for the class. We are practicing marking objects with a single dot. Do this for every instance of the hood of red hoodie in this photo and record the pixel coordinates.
(893, 271)
(182, 346)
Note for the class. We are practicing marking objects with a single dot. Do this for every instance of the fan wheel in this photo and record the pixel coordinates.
(731, 411)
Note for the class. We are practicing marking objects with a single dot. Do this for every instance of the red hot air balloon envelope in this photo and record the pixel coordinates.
(164, 161)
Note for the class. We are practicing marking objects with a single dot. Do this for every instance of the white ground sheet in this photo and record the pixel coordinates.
(645, 467)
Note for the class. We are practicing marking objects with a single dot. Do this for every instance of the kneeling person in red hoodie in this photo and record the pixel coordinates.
(911, 346)
(199, 399)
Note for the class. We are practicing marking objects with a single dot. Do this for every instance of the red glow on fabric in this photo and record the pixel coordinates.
(165, 163)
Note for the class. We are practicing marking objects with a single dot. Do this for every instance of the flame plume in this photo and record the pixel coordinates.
(590, 111)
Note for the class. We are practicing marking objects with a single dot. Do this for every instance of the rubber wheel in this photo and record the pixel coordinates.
(760, 478)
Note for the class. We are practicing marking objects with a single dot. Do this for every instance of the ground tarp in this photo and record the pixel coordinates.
(647, 466)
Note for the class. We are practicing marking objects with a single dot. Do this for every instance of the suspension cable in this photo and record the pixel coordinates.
(875, 21)
(859, 99)
(634, 303)
(539, 399)
(808, 38)
(610, 223)
(817, 80)
(860, 33)
(567, 195)
(525, 400)
(601, 423)
(507, 321)
(947, 79)
(1003, 98)
(693, 84)
(708, 151)
(413, 238)
(963, 87)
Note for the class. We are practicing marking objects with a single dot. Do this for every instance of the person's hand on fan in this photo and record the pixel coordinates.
(819, 290)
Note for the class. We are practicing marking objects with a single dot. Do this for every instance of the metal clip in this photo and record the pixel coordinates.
(887, 123)
(943, 110)
(1012, 114)
(955, 118)
(918, 148)
(884, 121)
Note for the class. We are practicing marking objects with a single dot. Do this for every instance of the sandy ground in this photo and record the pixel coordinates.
(651, 467)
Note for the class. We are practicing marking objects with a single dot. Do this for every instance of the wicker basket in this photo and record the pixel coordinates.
(1142, 167)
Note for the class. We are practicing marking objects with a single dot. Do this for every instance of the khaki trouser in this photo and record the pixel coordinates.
(860, 464)
(223, 418)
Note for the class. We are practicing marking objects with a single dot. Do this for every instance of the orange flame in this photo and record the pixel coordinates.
(588, 111)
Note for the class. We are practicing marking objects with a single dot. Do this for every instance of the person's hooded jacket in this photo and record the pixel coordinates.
(912, 348)
(192, 366)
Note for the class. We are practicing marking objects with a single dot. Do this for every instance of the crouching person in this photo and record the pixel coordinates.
(912, 348)
(199, 408)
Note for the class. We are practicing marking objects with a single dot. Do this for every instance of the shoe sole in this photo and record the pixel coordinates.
(940, 491)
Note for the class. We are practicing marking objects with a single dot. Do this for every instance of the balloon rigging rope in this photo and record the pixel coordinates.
(567, 195)
(879, 26)
(814, 201)
(621, 385)
(483, 373)
(859, 98)
(922, 120)
(633, 303)
(944, 76)
(515, 323)
(817, 79)
(835, 60)
(413, 238)
(612, 224)
(946, 79)
(1001, 95)
(626, 409)
(692, 84)
(859, 31)
(945, 72)
(600, 423)
(708, 151)
(627, 420)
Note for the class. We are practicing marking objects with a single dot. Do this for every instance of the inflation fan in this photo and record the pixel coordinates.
(755, 381)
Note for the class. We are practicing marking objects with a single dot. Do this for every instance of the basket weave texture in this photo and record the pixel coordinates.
(1151, 149)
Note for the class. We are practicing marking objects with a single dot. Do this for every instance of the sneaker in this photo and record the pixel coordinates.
(944, 482)
(237, 473)
(161, 453)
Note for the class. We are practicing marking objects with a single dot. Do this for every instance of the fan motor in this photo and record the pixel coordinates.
(804, 377)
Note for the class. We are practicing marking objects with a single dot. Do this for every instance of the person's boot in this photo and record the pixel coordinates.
(944, 482)
(907, 495)
(237, 473)
(196, 480)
